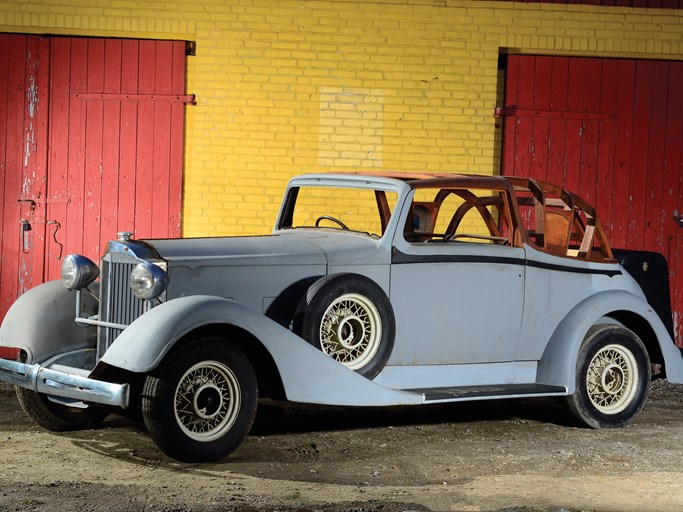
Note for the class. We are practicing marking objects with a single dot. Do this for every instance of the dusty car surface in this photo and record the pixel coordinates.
(373, 290)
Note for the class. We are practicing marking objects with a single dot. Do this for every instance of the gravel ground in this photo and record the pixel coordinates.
(487, 456)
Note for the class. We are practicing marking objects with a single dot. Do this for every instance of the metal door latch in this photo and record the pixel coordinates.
(678, 218)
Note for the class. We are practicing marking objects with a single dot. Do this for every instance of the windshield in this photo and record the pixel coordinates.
(355, 209)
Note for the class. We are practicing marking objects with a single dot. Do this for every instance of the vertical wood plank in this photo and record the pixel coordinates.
(111, 144)
(622, 171)
(525, 100)
(672, 191)
(541, 125)
(35, 159)
(145, 143)
(558, 127)
(176, 141)
(654, 174)
(129, 136)
(15, 49)
(589, 136)
(606, 145)
(60, 59)
(92, 211)
(163, 67)
(641, 122)
(76, 221)
(575, 127)
(509, 123)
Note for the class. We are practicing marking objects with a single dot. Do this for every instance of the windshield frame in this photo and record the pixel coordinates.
(381, 186)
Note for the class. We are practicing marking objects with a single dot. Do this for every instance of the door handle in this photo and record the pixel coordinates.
(25, 228)
(678, 218)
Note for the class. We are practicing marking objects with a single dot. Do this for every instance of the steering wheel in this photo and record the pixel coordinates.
(332, 219)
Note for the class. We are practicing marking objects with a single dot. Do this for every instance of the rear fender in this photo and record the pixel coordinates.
(41, 322)
(558, 363)
(307, 374)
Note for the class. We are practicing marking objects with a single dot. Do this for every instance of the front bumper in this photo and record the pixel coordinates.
(63, 383)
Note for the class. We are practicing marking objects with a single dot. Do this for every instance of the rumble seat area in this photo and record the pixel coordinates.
(559, 222)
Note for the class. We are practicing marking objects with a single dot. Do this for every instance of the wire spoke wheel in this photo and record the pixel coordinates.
(207, 401)
(351, 330)
(200, 403)
(350, 319)
(612, 379)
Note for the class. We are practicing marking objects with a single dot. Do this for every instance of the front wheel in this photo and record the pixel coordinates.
(200, 404)
(58, 417)
(612, 377)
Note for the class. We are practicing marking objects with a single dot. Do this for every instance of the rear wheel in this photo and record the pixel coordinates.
(612, 377)
(58, 417)
(200, 404)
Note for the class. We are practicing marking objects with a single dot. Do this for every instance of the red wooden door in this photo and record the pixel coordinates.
(611, 130)
(23, 135)
(92, 134)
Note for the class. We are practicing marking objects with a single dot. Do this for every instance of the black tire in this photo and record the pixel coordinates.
(350, 318)
(58, 417)
(200, 404)
(612, 377)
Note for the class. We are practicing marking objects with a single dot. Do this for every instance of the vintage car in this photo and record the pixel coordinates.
(373, 290)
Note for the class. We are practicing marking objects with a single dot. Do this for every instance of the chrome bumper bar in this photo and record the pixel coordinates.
(67, 385)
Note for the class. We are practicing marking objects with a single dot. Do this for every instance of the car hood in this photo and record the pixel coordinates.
(296, 247)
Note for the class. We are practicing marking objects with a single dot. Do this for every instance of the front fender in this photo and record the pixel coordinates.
(307, 374)
(558, 363)
(41, 322)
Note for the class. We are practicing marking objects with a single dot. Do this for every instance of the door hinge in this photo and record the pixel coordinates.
(513, 111)
(169, 98)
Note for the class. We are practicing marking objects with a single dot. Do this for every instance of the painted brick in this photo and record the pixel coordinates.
(265, 70)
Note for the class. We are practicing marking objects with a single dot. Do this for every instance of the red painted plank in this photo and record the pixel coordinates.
(606, 145)
(76, 221)
(541, 125)
(162, 139)
(589, 136)
(59, 154)
(5, 127)
(641, 121)
(11, 235)
(145, 142)
(654, 176)
(94, 127)
(110, 142)
(509, 122)
(672, 190)
(35, 162)
(525, 99)
(176, 141)
(129, 133)
(624, 138)
(557, 128)
(574, 128)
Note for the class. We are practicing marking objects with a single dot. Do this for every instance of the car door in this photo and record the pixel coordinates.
(459, 297)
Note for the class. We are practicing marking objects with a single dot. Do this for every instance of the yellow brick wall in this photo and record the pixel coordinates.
(294, 86)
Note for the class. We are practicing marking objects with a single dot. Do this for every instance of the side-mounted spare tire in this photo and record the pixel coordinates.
(612, 377)
(350, 318)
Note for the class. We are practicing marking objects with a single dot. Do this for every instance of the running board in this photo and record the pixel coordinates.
(464, 393)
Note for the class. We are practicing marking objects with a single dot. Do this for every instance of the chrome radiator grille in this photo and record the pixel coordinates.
(117, 303)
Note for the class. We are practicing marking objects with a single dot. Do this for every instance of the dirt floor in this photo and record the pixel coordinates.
(486, 456)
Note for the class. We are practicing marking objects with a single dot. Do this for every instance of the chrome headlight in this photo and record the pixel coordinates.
(147, 281)
(78, 272)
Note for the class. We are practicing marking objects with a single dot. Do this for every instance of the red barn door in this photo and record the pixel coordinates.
(92, 134)
(611, 130)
